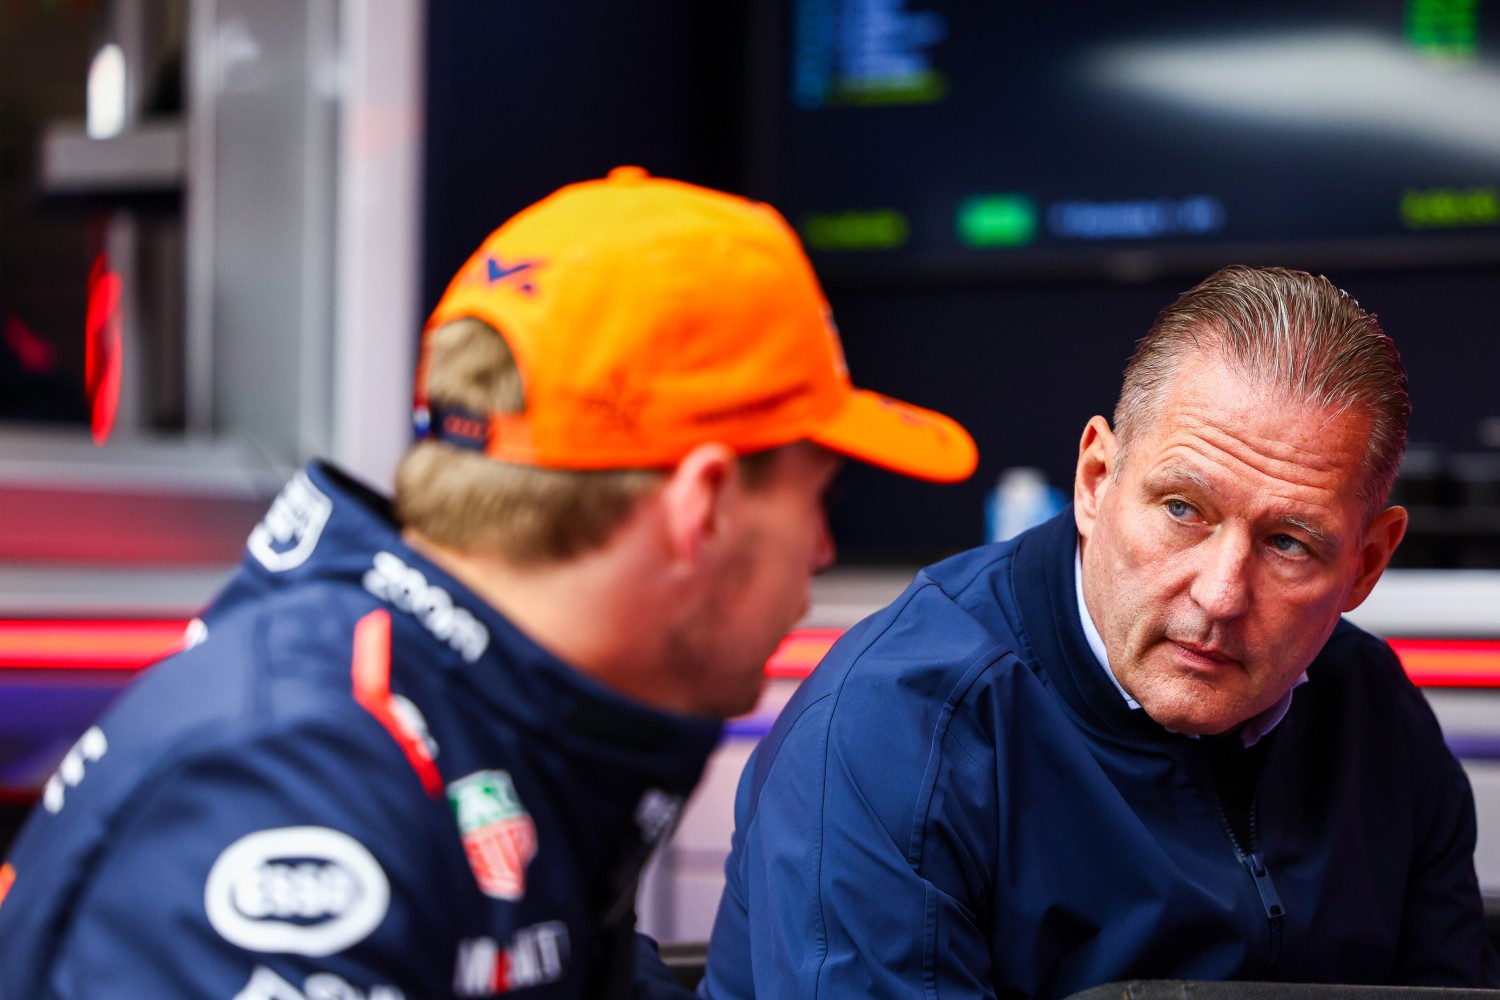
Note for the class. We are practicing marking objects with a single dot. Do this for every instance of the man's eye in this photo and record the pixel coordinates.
(1179, 508)
(1287, 544)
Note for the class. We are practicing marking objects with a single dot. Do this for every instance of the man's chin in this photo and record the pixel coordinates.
(744, 704)
(1193, 720)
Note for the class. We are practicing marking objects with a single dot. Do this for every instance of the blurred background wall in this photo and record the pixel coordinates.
(1021, 342)
(290, 184)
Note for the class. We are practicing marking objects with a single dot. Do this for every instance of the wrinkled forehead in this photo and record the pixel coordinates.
(1223, 396)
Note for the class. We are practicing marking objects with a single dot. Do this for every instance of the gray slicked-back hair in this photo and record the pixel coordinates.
(1291, 332)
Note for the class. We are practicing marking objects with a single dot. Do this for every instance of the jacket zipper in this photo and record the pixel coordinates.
(1269, 898)
(1253, 863)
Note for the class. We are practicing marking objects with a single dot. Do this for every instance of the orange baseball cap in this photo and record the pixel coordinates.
(648, 316)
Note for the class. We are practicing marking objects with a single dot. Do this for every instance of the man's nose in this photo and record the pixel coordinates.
(1221, 581)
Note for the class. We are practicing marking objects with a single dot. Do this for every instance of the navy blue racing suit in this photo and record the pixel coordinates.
(359, 782)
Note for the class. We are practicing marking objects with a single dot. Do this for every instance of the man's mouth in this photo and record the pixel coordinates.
(1211, 657)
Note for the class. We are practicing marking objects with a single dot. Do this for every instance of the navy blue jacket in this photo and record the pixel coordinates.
(958, 803)
(362, 782)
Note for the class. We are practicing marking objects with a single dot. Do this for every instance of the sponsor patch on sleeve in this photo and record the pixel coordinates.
(536, 955)
(301, 890)
(498, 833)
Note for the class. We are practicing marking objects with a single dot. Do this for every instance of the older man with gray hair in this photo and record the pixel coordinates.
(1139, 741)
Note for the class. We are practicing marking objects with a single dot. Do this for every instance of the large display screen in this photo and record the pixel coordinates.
(1099, 136)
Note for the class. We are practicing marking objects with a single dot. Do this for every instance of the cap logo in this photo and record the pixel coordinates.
(458, 427)
(754, 406)
(518, 275)
(616, 404)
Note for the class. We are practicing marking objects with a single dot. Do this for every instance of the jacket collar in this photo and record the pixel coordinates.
(1042, 580)
(326, 528)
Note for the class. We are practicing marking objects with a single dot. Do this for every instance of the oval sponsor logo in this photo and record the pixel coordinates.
(303, 890)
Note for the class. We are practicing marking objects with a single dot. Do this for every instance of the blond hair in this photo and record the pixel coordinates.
(1291, 331)
(467, 500)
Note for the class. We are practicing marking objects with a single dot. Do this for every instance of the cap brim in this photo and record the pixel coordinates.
(900, 437)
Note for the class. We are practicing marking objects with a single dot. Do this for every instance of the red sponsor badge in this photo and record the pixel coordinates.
(498, 833)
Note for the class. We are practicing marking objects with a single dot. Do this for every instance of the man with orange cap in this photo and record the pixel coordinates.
(422, 749)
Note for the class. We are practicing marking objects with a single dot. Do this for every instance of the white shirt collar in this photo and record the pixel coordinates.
(1254, 728)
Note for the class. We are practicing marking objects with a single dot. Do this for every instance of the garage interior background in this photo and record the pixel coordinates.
(517, 99)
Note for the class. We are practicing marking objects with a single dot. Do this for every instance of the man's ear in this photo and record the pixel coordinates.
(693, 500)
(1097, 452)
(1381, 539)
